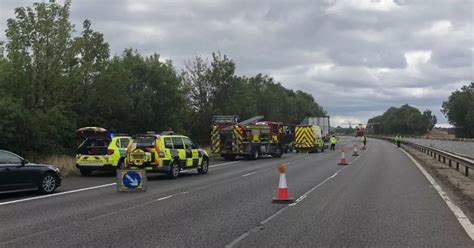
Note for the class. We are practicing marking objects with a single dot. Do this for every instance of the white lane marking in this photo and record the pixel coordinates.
(57, 194)
(85, 189)
(301, 198)
(217, 165)
(164, 198)
(460, 216)
(137, 206)
(315, 187)
(248, 174)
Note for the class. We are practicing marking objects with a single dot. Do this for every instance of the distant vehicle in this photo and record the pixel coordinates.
(166, 152)
(100, 150)
(322, 122)
(17, 174)
(360, 130)
(308, 138)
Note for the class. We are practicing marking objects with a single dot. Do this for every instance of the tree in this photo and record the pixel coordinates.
(41, 73)
(53, 82)
(39, 42)
(405, 120)
(459, 110)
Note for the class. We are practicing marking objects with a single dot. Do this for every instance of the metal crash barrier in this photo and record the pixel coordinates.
(453, 160)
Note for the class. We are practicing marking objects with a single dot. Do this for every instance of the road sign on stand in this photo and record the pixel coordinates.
(129, 180)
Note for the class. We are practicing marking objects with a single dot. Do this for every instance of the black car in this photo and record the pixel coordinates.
(17, 174)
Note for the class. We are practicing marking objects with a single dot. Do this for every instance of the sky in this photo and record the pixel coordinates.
(356, 57)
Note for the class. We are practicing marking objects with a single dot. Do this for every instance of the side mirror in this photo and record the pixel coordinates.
(24, 162)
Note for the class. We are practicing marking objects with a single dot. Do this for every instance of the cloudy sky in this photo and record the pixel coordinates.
(356, 57)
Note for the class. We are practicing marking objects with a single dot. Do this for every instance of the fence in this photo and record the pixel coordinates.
(451, 159)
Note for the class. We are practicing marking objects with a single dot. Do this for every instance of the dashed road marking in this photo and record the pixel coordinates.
(217, 165)
(248, 174)
(301, 198)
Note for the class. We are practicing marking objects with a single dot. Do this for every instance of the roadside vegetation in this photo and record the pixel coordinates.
(459, 109)
(405, 120)
(54, 80)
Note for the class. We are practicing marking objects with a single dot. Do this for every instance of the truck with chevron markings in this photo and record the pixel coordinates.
(251, 138)
(309, 138)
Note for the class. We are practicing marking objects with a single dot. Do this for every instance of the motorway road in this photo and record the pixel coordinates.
(380, 199)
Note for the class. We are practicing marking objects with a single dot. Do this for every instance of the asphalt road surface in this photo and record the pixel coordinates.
(380, 199)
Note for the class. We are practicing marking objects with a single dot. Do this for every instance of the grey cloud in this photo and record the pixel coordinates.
(289, 40)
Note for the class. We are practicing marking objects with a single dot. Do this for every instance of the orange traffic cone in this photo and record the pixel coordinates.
(356, 153)
(282, 193)
(343, 157)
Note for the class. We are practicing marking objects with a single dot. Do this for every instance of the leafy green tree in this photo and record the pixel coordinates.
(41, 74)
(405, 120)
(459, 109)
(53, 82)
(39, 42)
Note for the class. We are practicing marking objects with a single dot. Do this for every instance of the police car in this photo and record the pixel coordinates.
(100, 150)
(166, 152)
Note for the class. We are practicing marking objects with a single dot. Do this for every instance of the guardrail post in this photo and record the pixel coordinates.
(466, 170)
(450, 163)
(457, 166)
(444, 160)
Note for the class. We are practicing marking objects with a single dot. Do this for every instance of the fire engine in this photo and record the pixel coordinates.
(251, 138)
(360, 130)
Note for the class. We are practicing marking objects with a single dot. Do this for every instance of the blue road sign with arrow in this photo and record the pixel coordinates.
(131, 179)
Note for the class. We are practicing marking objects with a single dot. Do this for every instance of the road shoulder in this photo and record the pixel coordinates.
(458, 187)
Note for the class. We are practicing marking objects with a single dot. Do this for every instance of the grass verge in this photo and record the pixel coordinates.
(65, 163)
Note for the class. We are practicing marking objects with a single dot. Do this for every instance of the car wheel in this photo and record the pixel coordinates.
(85, 172)
(278, 153)
(204, 167)
(48, 183)
(173, 173)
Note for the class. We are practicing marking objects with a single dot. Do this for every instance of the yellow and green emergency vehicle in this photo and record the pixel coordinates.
(167, 153)
(100, 150)
(308, 138)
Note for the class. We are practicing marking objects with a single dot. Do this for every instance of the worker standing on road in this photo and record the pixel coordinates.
(365, 139)
(333, 141)
(398, 139)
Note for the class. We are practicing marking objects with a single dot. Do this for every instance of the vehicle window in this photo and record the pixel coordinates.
(124, 143)
(189, 143)
(8, 158)
(178, 143)
(145, 142)
(168, 143)
(117, 143)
